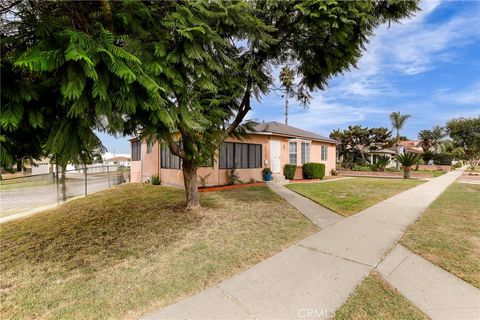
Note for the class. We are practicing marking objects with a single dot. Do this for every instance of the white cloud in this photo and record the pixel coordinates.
(470, 95)
(410, 47)
(324, 112)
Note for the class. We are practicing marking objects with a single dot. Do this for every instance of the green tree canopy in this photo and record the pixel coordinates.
(465, 133)
(161, 67)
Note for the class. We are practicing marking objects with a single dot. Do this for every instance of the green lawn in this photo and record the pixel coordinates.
(131, 249)
(448, 233)
(350, 196)
(376, 299)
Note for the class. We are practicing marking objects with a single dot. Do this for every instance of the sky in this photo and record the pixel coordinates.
(427, 66)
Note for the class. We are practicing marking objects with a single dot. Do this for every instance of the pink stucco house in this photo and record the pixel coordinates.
(271, 145)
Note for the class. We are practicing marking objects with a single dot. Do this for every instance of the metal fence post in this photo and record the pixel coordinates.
(56, 180)
(108, 176)
(85, 170)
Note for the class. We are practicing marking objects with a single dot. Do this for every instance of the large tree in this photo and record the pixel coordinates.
(465, 133)
(425, 137)
(189, 68)
(356, 141)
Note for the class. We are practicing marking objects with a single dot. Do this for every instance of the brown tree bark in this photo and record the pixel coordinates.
(191, 184)
(107, 14)
(63, 184)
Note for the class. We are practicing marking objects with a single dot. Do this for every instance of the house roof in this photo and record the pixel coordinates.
(384, 151)
(117, 159)
(281, 129)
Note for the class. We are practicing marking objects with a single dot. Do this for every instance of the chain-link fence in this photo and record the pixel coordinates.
(22, 194)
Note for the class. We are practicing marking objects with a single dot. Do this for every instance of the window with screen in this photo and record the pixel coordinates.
(240, 155)
(324, 153)
(136, 150)
(305, 152)
(167, 159)
(292, 152)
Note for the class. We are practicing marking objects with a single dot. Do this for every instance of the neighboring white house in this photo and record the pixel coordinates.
(120, 159)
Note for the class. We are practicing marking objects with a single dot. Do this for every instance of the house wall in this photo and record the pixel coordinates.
(150, 164)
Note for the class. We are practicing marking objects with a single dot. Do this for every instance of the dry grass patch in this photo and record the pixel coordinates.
(125, 251)
(350, 196)
(448, 233)
(374, 298)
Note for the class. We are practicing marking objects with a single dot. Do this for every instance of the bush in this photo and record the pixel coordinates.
(427, 156)
(313, 170)
(232, 177)
(442, 159)
(289, 171)
(333, 172)
(458, 165)
(155, 180)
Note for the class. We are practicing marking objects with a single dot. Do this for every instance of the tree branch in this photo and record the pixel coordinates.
(175, 147)
(243, 108)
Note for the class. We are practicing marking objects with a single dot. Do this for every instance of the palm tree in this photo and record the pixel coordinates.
(425, 136)
(407, 160)
(287, 76)
(438, 133)
(398, 121)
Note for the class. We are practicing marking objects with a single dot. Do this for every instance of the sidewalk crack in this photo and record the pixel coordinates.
(236, 301)
(333, 255)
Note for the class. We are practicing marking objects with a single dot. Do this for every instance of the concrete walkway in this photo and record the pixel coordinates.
(313, 278)
(316, 213)
(435, 291)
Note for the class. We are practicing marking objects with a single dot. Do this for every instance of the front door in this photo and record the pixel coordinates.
(275, 156)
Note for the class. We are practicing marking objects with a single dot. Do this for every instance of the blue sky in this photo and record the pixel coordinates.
(427, 66)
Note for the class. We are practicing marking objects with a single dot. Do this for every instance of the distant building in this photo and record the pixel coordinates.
(121, 161)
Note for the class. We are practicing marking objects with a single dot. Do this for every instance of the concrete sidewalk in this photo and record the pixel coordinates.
(313, 278)
(438, 293)
(316, 213)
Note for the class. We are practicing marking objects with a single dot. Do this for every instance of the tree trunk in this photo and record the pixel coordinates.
(286, 110)
(107, 15)
(397, 143)
(191, 185)
(63, 184)
(406, 173)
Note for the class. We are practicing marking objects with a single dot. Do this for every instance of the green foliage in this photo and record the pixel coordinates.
(465, 133)
(156, 180)
(333, 172)
(356, 140)
(427, 156)
(458, 165)
(407, 160)
(191, 67)
(266, 171)
(382, 162)
(313, 170)
(442, 159)
(289, 171)
(232, 177)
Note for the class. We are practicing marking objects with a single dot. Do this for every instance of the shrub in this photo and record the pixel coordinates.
(382, 162)
(203, 180)
(333, 172)
(427, 156)
(289, 171)
(457, 165)
(313, 170)
(232, 176)
(155, 180)
(442, 159)
(407, 160)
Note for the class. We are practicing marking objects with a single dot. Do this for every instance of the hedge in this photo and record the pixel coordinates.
(289, 171)
(313, 170)
(442, 159)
